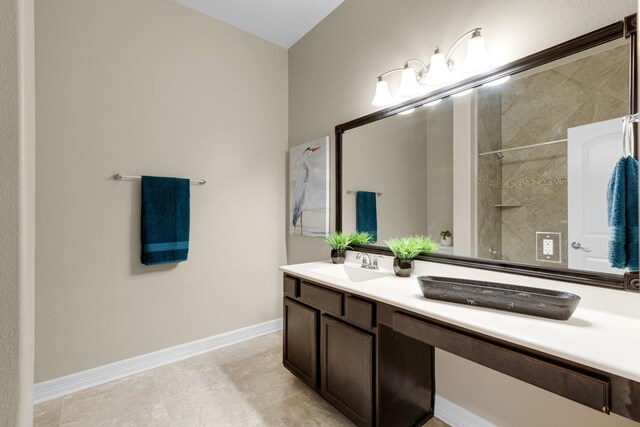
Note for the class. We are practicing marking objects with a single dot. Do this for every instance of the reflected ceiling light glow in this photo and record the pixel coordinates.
(406, 112)
(463, 93)
(436, 102)
(498, 82)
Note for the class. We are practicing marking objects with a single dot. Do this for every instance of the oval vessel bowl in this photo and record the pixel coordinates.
(518, 299)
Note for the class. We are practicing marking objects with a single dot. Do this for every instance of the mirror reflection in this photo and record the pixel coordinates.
(530, 159)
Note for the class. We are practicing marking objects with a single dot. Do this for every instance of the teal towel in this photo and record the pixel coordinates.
(366, 214)
(632, 213)
(165, 220)
(622, 200)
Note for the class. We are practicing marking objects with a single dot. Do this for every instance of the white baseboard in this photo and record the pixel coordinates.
(57, 387)
(457, 416)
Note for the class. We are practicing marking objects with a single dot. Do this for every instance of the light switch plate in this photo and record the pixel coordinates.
(548, 246)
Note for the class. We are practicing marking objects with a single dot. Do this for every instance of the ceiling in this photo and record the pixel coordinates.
(282, 22)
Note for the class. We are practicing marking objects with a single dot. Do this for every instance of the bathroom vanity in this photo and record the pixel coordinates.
(365, 342)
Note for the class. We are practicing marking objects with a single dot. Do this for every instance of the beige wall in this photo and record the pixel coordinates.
(152, 87)
(332, 73)
(396, 172)
(17, 173)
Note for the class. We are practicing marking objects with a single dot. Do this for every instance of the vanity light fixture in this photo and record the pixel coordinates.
(437, 73)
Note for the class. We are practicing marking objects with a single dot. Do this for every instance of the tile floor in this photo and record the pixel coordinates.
(240, 385)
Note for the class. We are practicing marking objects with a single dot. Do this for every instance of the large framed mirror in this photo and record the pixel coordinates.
(517, 172)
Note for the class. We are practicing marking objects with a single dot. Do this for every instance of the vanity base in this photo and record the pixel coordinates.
(388, 378)
(373, 375)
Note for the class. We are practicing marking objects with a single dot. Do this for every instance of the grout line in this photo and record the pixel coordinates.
(64, 398)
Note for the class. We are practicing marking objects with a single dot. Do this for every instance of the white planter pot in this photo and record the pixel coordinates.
(446, 241)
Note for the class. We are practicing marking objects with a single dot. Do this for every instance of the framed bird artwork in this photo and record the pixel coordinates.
(309, 188)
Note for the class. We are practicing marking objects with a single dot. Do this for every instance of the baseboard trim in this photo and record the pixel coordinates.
(57, 387)
(456, 416)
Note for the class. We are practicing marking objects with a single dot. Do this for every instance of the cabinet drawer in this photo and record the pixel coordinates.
(359, 312)
(580, 387)
(324, 299)
(290, 287)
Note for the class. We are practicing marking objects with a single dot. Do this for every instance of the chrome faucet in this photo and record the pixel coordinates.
(366, 261)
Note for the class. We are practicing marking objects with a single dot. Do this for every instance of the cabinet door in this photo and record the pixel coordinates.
(300, 348)
(347, 369)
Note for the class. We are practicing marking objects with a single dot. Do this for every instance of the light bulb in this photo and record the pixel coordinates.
(477, 58)
(408, 84)
(383, 95)
(438, 69)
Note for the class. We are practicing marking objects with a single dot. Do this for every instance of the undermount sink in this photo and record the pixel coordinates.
(351, 272)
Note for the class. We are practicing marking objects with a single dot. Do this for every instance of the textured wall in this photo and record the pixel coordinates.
(153, 87)
(539, 108)
(489, 229)
(332, 74)
(17, 172)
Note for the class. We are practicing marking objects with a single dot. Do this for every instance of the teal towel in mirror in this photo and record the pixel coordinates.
(622, 200)
(165, 220)
(366, 214)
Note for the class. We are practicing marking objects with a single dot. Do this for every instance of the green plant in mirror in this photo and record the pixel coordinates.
(362, 238)
(407, 248)
(339, 241)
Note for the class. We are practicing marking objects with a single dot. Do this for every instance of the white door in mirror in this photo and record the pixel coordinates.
(593, 150)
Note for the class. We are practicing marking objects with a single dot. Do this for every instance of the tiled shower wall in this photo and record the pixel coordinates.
(533, 182)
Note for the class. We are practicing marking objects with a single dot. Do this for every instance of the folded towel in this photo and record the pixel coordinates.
(622, 200)
(165, 220)
(366, 216)
(632, 213)
(617, 214)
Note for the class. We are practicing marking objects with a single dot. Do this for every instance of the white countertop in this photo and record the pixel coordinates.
(603, 333)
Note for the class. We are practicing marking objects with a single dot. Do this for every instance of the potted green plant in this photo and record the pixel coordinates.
(446, 238)
(406, 249)
(339, 243)
(361, 238)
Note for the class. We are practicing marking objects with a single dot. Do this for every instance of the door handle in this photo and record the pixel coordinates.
(577, 245)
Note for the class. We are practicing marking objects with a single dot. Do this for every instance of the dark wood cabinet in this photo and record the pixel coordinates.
(334, 342)
(300, 343)
(347, 361)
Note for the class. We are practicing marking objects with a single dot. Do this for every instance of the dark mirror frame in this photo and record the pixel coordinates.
(625, 28)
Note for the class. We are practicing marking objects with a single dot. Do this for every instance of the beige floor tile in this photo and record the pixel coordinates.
(240, 385)
(214, 405)
(264, 418)
(109, 401)
(308, 409)
(155, 415)
(435, 422)
(47, 414)
(189, 374)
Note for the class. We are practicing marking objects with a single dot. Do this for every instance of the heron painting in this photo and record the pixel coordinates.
(309, 188)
